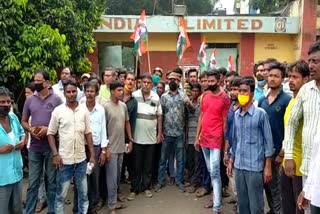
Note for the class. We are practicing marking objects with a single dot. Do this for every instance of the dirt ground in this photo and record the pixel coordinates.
(168, 201)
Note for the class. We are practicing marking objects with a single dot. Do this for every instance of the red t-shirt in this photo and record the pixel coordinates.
(214, 109)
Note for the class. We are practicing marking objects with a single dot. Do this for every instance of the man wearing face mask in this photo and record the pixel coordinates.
(251, 151)
(12, 138)
(173, 105)
(39, 106)
(261, 75)
(214, 106)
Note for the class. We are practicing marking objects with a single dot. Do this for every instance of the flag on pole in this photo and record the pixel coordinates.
(140, 35)
(202, 55)
(183, 41)
(231, 64)
(212, 62)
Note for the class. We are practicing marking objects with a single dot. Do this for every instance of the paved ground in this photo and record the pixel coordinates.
(168, 201)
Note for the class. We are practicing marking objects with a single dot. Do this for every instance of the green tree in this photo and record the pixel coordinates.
(163, 7)
(46, 34)
(269, 6)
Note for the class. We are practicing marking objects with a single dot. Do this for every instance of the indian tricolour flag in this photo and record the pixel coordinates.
(140, 35)
(202, 55)
(212, 62)
(231, 66)
(183, 41)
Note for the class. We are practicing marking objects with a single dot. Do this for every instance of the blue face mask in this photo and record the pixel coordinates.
(261, 83)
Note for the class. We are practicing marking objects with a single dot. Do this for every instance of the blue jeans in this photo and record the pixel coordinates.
(206, 180)
(10, 198)
(170, 144)
(212, 158)
(64, 176)
(39, 162)
(249, 191)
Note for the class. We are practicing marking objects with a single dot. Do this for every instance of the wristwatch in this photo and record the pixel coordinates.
(103, 152)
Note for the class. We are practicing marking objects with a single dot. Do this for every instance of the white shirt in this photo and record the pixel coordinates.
(98, 125)
(312, 185)
(306, 106)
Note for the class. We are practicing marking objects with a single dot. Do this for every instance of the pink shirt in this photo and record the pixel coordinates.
(214, 109)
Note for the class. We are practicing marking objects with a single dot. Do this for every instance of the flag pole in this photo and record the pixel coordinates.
(136, 67)
(149, 66)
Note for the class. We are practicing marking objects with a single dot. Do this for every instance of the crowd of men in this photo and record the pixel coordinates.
(261, 131)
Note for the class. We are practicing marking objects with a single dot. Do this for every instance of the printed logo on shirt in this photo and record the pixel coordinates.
(278, 108)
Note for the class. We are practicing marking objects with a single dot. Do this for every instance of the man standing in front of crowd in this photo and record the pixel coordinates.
(100, 142)
(147, 134)
(212, 124)
(306, 106)
(298, 74)
(251, 151)
(72, 124)
(173, 106)
(275, 104)
(39, 107)
(117, 124)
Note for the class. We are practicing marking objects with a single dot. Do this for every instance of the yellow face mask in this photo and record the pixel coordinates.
(243, 99)
(127, 89)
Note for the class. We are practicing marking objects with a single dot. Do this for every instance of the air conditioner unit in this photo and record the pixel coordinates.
(180, 10)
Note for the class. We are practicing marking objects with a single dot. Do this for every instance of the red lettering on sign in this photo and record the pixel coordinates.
(228, 22)
(208, 25)
(242, 24)
(256, 24)
(119, 23)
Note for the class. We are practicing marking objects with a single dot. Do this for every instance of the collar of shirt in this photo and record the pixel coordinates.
(93, 110)
(60, 85)
(37, 94)
(250, 111)
(76, 109)
(171, 94)
(147, 98)
(314, 86)
(278, 95)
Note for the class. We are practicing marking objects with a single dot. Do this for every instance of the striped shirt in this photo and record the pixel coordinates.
(146, 124)
(193, 118)
(306, 106)
(252, 139)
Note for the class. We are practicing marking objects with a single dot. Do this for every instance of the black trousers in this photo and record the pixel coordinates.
(290, 190)
(143, 165)
(156, 161)
(128, 164)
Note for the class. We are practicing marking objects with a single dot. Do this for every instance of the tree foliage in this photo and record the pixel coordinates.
(269, 6)
(46, 34)
(163, 7)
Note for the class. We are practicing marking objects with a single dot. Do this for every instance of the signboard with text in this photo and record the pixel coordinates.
(203, 24)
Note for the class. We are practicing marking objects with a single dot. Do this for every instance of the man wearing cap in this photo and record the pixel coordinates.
(84, 79)
(173, 105)
(158, 71)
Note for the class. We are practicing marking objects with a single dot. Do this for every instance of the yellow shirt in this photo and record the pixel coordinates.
(297, 149)
(104, 92)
